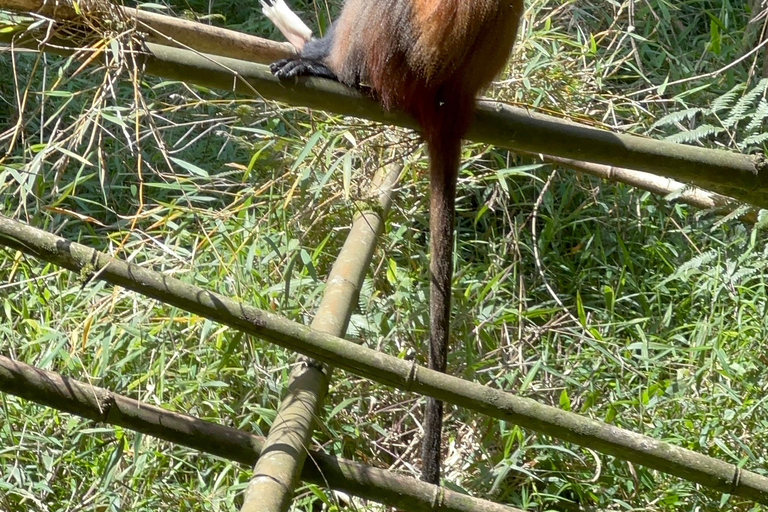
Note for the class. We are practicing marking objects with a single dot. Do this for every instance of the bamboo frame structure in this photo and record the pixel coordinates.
(568, 143)
(386, 369)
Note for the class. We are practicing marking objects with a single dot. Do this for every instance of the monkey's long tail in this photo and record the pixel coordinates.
(444, 147)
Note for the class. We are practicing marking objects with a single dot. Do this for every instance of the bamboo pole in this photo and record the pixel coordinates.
(388, 370)
(102, 405)
(659, 185)
(732, 174)
(277, 471)
(728, 173)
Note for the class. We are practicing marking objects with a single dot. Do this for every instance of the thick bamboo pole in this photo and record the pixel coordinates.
(731, 174)
(389, 370)
(277, 471)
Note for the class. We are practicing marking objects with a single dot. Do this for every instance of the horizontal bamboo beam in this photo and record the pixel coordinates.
(102, 405)
(386, 369)
(728, 173)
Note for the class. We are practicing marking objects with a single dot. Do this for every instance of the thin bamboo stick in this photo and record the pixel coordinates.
(659, 185)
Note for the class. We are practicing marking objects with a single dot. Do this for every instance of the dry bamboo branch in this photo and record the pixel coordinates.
(389, 370)
(657, 185)
(276, 474)
(101, 405)
(166, 30)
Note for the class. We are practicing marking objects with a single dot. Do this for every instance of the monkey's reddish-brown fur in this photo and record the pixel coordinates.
(429, 58)
(411, 52)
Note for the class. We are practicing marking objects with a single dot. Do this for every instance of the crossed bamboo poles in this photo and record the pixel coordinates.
(284, 450)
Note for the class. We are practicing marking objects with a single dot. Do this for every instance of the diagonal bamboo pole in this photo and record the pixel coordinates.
(386, 369)
(277, 471)
(742, 177)
(659, 185)
(98, 404)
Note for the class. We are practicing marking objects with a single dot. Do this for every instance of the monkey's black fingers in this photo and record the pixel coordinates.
(289, 68)
(275, 67)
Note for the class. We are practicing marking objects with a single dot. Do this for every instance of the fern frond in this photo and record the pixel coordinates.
(727, 99)
(693, 265)
(696, 135)
(760, 114)
(735, 214)
(742, 273)
(681, 115)
(739, 111)
(753, 140)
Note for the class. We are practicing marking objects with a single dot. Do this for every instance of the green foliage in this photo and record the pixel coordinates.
(737, 118)
(615, 304)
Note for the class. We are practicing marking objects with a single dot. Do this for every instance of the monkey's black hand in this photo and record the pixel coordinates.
(289, 68)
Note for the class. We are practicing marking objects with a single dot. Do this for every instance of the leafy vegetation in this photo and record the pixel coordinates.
(596, 298)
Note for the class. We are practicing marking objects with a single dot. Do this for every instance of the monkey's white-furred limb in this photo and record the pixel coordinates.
(295, 31)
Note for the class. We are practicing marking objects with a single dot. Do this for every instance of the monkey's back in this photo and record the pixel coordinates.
(419, 54)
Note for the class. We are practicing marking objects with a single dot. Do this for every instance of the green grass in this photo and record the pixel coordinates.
(647, 314)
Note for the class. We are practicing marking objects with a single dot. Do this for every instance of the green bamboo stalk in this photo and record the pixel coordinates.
(728, 173)
(742, 177)
(277, 472)
(386, 369)
(102, 405)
